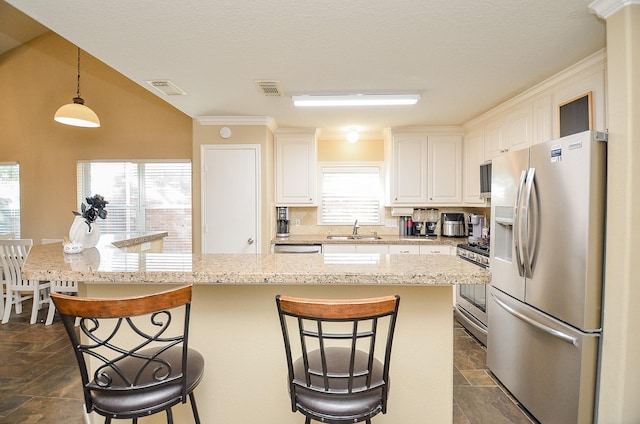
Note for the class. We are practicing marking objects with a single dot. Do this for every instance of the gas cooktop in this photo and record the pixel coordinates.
(479, 248)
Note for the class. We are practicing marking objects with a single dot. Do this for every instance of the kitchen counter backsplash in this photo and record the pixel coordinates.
(384, 239)
(309, 222)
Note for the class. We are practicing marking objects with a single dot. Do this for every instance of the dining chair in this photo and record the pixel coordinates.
(13, 254)
(338, 354)
(58, 286)
(133, 352)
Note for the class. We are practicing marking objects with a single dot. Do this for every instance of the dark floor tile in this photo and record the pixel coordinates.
(47, 410)
(60, 381)
(458, 415)
(468, 354)
(488, 405)
(9, 402)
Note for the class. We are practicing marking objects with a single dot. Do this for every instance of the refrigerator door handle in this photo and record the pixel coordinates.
(516, 223)
(552, 331)
(524, 224)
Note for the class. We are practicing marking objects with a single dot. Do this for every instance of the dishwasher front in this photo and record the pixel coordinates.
(297, 248)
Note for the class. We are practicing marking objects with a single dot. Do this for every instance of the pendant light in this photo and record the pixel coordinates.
(76, 113)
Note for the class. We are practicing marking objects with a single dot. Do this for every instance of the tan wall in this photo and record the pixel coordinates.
(39, 77)
(250, 134)
(620, 375)
(342, 150)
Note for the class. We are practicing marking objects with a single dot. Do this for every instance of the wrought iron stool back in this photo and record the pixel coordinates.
(133, 352)
(338, 354)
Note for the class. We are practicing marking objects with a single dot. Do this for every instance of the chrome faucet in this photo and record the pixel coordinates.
(355, 228)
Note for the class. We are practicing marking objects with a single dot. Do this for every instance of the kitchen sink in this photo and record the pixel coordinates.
(352, 237)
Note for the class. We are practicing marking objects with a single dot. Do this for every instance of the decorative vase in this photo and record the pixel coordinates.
(81, 232)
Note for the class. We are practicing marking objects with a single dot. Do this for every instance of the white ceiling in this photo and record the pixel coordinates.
(463, 57)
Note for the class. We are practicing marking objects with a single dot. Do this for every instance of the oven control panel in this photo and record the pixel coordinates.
(474, 253)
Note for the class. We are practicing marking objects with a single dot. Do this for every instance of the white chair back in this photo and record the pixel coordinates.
(13, 253)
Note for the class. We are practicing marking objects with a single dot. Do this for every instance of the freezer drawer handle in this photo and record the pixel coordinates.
(559, 334)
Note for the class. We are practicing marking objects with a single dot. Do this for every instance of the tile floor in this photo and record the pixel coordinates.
(39, 381)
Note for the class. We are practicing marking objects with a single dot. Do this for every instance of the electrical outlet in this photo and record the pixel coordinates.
(390, 223)
(297, 222)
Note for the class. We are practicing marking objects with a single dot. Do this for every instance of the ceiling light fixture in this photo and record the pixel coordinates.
(353, 136)
(76, 113)
(356, 100)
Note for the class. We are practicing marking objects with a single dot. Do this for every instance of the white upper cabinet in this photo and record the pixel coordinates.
(444, 183)
(408, 170)
(473, 157)
(296, 167)
(424, 168)
(512, 132)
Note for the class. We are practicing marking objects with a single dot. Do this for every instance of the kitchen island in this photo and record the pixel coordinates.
(235, 325)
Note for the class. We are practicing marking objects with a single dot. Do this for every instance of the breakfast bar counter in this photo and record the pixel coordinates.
(234, 322)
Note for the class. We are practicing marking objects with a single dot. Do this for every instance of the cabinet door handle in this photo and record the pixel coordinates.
(250, 241)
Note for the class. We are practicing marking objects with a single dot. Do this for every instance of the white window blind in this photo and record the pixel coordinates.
(349, 193)
(10, 199)
(142, 196)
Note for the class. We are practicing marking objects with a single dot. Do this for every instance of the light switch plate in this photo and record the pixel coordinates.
(390, 223)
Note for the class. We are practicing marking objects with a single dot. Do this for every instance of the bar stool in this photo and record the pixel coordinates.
(140, 362)
(338, 354)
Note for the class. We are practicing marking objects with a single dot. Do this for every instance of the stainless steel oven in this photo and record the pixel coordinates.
(471, 299)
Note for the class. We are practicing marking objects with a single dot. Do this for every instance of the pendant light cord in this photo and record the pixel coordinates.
(78, 91)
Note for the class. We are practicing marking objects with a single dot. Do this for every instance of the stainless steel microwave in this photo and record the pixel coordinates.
(485, 180)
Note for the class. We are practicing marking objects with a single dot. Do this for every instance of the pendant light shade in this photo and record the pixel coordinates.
(76, 113)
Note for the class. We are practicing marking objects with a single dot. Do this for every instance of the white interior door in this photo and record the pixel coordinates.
(230, 198)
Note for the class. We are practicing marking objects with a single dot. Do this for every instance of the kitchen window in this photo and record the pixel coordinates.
(349, 193)
(10, 198)
(143, 196)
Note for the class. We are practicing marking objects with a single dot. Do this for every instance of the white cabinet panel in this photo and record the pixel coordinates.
(445, 169)
(409, 170)
(295, 167)
(425, 169)
(412, 249)
(473, 157)
(439, 249)
(355, 248)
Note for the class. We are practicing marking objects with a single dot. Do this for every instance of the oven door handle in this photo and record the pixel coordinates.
(471, 320)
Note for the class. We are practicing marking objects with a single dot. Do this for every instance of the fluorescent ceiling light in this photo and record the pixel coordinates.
(356, 100)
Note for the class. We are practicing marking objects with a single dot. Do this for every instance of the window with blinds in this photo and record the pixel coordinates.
(142, 196)
(349, 193)
(10, 199)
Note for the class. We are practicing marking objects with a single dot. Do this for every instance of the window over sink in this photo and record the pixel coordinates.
(350, 192)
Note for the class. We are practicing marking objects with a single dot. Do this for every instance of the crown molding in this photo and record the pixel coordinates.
(593, 63)
(606, 8)
(267, 121)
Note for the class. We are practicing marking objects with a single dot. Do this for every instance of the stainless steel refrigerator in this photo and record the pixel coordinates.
(547, 248)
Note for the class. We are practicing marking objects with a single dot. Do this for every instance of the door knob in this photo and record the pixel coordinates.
(250, 241)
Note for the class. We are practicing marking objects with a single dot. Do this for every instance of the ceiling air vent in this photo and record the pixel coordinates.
(167, 87)
(269, 87)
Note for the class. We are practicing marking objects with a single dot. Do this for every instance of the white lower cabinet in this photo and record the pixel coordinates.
(355, 248)
(439, 249)
(396, 249)
(404, 249)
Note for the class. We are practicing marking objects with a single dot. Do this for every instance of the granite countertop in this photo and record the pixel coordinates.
(131, 239)
(106, 263)
(384, 239)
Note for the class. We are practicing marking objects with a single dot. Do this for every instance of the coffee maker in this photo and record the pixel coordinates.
(282, 229)
(431, 222)
(477, 222)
